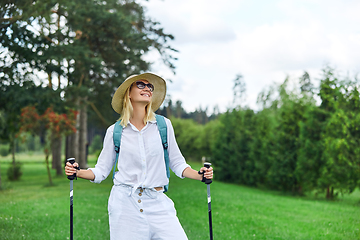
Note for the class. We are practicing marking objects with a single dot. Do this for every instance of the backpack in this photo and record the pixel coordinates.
(163, 134)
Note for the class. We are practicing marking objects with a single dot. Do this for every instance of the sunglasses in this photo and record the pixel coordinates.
(142, 85)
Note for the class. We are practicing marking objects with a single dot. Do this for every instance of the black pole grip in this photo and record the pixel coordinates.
(205, 180)
(72, 161)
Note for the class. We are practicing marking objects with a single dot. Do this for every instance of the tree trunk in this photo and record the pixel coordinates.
(13, 146)
(74, 138)
(50, 80)
(70, 152)
(53, 153)
(329, 193)
(56, 155)
(67, 148)
(0, 179)
(83, 134)
(48, 168)
(78, 141)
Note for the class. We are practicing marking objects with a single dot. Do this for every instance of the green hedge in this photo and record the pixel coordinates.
(292, 144)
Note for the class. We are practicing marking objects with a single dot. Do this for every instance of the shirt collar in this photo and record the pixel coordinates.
(135, 129)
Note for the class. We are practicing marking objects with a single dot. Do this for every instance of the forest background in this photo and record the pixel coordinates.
(303, 139)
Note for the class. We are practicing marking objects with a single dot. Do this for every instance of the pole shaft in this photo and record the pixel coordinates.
(71, 178)
(209, 210)
(71, 222)
(71, 209)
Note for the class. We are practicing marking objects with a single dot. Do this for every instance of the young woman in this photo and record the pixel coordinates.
(138, 208)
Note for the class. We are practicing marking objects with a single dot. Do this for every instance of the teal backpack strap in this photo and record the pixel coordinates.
(117, 140)
(163, 134)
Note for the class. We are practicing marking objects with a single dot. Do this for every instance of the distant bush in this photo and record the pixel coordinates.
(194, 139)
(187, 133)
(14, 173)
(97, 153)
(28, 143)
(4, 150)
(96, 144)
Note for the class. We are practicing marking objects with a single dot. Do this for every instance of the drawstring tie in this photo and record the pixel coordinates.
(151, 192)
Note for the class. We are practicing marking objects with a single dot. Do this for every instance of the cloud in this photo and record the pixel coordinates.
(279, 46)
(263, 42)
(192, 21)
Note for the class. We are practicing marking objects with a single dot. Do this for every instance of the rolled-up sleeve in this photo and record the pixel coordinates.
(177, 161)
(106, 158)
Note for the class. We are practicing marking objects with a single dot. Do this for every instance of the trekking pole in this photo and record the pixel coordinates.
(71, 178)
(207, 182)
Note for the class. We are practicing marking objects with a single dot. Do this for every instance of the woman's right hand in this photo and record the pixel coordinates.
(70, 168)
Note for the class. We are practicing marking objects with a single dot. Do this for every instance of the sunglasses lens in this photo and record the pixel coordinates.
(141, 85)
(151, 87)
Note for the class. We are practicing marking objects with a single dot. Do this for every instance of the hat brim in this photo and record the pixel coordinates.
(158, 96)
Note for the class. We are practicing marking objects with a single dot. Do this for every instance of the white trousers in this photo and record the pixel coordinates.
(145, 214)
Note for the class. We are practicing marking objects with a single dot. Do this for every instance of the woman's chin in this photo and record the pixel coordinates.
(143, 101)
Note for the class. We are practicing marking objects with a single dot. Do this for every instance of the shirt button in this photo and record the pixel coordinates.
(139, 201)
(141, 210)
(141, 190)
(140, 194)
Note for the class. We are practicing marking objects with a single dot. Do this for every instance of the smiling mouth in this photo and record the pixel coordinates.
(146, 95)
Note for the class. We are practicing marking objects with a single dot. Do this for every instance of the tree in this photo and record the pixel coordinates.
(284, 109)
(289, 114)
(92, 46)
(187, 134)
(179, 110)
(311, 148)
(54, 125)
(2, 128)
(328, 155)
(239, 90)
(306, 87)
(262, 146)
(340, 169)
(14, 96)
(231, 148)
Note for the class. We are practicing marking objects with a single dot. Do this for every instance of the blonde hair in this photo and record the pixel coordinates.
(127, 110)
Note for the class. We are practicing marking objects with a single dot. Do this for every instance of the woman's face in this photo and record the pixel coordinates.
(138, 95)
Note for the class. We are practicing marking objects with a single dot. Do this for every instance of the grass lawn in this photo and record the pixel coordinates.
(31, 210)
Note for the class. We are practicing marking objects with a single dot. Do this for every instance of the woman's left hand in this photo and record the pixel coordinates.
(208, 172)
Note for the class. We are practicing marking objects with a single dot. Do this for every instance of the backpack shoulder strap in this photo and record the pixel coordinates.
(163, 134)
(117, 140)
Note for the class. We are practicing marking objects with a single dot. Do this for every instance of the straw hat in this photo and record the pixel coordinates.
(157, 97)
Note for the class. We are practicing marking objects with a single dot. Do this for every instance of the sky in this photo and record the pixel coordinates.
(265, 41)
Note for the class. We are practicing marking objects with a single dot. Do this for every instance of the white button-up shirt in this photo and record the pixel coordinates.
(141, 160)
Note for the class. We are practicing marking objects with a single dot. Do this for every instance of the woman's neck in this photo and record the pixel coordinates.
(138, 115)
